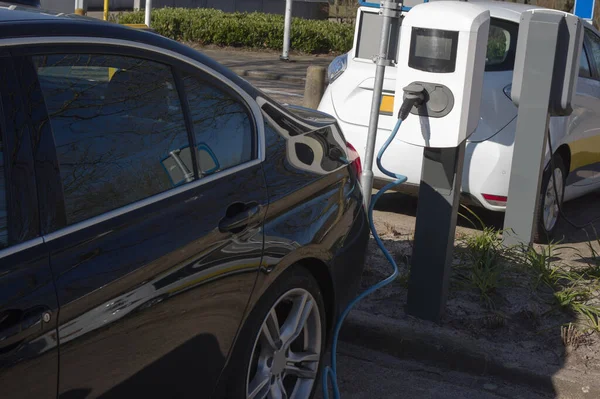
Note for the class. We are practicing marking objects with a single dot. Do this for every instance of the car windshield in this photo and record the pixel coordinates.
(501, 43)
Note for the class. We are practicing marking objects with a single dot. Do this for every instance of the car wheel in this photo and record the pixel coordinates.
(280, 349)
(548, 208)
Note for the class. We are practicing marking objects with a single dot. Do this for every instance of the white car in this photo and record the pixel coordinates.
(575, 139)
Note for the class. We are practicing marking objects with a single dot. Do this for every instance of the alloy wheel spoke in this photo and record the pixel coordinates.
(301, 310)
(259, 387)
(270, 333)
(303, 357)
(300, 372)
(277, 390)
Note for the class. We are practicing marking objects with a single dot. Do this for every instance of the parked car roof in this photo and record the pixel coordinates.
(506, 10)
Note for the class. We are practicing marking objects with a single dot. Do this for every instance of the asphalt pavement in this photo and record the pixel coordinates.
(281, 80)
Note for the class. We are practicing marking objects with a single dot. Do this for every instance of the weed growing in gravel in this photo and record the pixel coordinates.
(569, 287)
(482, 266)
(591, 315)
(593, 261)
(571, 336)
(540, 264)
(569, 297)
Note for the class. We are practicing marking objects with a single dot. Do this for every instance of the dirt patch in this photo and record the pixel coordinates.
(528, 317)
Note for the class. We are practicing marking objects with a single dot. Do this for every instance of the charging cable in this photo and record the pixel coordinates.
(414, 96)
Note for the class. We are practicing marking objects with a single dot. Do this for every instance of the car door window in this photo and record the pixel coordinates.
(222, 126)
(584, 65)
(118, 127)
(594, 48)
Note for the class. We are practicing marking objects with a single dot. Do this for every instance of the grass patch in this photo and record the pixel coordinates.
(481, 265)
(568, 298)
(591, 315)
(540, 264)
(485, 260)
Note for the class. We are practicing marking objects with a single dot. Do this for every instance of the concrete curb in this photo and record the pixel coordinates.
(399, 338)
(268, 75)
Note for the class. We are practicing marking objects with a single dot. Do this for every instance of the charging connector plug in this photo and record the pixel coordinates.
(414, 95)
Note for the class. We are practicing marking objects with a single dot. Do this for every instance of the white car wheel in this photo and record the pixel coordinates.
(551, 199)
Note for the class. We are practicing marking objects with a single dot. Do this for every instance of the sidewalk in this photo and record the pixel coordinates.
(265, 64)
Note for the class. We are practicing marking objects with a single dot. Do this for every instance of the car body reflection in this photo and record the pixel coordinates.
(170, 283)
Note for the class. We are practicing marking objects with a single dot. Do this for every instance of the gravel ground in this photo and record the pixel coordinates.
(524, 325)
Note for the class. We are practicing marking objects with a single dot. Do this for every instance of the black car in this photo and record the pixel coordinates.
(166, 229)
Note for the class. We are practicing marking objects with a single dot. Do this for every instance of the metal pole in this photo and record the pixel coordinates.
(148, 10)
(285, 56)
(80, 7)
(106, 10)
(390, 10)
(136, 5)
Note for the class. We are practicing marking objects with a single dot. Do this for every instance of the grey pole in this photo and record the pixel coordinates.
(543, 84)
(136, 5)
(285, 56)
(147, 12)
(433, 248)
(390, 10)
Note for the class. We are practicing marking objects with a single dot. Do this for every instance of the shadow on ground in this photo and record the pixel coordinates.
(520, 331)
(580, 212)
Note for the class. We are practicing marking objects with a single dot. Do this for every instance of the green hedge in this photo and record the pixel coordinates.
(255, 30)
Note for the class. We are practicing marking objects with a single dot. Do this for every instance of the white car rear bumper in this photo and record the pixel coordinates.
(486, 168)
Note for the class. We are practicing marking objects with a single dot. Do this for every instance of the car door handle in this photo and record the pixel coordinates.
(16, 326)
(238, 217)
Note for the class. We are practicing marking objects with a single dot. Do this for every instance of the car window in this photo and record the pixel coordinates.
(222, 126)
(498, 47)
(3, 205)
(584, 65)
(118, 127)
(594, 47)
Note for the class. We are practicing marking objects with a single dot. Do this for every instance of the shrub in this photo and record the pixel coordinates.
(254, 30)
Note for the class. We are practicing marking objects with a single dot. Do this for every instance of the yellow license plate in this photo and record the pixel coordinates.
(387, 105)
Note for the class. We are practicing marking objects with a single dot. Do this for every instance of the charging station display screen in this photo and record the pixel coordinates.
(433, 50)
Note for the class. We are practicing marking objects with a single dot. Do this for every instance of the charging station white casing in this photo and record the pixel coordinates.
(465, 82)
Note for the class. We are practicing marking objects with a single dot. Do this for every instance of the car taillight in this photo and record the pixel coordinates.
(354, 159)
(497, 200)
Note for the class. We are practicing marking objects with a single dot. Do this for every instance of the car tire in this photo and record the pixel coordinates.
(548, 211)
(256, 360)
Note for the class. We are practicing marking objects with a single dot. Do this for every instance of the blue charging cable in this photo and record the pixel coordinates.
(330, 372)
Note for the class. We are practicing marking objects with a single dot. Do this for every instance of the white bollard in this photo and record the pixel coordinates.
(80, 7)
(285, 56)
(148, 10)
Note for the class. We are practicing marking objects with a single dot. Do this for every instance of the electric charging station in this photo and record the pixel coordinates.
(440, 65)
(441, 58)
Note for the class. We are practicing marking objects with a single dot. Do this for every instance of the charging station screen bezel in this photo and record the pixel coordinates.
(433, 64)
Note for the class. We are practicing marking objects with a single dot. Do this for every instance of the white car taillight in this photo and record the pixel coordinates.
(496, 200)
